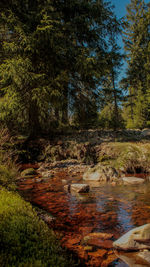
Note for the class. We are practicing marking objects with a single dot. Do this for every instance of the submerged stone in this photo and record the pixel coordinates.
(136, 239)
(145, 255)
(136, 259)
(103, 236)
(100, 240)
(133, 180)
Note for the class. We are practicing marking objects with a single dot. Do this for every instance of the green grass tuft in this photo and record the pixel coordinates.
(25, 239)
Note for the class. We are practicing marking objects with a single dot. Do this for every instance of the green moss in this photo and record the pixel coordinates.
(25, 239)
(104, 158)
(127, 155)
(27, 172)
(7, 176)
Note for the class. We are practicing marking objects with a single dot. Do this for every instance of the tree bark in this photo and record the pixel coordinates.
(65, 106)
(34, 124)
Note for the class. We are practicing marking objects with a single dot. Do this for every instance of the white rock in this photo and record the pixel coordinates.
(136, 239)
(77, 188)
(132, 180)
(95, 176)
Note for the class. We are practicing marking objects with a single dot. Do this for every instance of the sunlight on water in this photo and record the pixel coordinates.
(106, 209)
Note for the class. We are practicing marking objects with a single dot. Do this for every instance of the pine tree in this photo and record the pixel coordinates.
(111, 91)
(136, 45)
(55, 56)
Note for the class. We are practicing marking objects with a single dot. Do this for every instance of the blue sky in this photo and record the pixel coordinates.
(120, 7)
(120, 11)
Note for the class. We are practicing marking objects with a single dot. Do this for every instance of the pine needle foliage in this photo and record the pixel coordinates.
(53, 53)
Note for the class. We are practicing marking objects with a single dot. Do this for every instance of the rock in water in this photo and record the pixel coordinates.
(145, 255)
(132, 180)
(101, 174)
(28, 172)
(77, 188)
(95, 176)
(136, 239)
(135, 259)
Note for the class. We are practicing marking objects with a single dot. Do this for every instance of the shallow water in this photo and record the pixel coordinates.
(107, 208)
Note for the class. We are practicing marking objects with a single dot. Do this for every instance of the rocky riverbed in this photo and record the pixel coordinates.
(88, 223)
(91, 187)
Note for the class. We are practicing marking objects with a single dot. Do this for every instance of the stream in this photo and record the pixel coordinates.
(107, 211)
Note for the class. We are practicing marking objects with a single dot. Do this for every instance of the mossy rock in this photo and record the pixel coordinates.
(125, 156)
(101, 173)
(28, 172)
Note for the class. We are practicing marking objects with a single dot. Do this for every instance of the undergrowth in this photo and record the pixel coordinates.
(25, 240)
(129, 156)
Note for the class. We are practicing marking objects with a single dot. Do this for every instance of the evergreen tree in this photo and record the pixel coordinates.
(112, 94)
(136, 40)
(55, 56)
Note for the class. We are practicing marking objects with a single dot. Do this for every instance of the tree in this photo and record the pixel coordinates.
(112, 93)
(136, 40)
(55, 55)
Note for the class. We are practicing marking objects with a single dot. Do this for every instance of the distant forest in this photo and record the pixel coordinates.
(60, 66)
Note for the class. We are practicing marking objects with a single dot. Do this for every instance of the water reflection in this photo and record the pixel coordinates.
(124, 218)
(105, 209)
(135, 259)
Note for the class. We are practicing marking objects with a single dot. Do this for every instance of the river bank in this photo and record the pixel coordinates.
(26, 240)
(108, 210)
(88, 222)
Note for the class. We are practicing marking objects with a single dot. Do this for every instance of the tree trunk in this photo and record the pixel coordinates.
(34, 124)
(65, 106)
(131, 105)
(115, 103)
(57, 116)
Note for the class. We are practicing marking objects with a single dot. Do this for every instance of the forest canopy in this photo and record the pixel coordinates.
(60, 64)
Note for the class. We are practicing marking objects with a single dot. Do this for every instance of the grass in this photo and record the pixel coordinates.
(25, 239)
(127, 155)
(7, 176)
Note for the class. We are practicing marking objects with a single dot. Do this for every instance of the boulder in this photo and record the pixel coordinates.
(28, 172)
(101, 174)
(145, 133)
(136, 239)
(132, 180)
(77, 188)
(93, 176)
